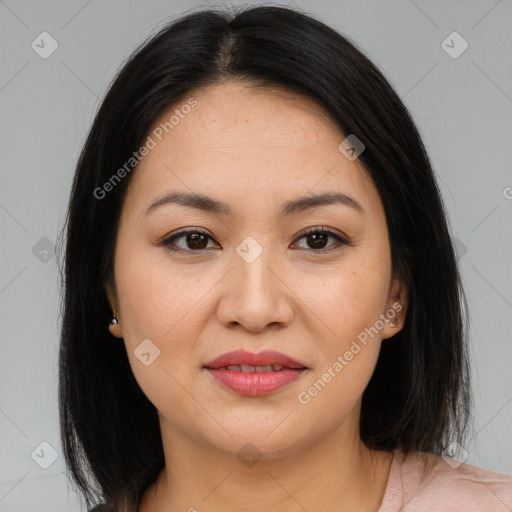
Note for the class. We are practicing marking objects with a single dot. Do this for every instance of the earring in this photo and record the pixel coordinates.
(114, 319)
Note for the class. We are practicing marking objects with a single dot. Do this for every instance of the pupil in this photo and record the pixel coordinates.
(316, 242)
(194, 237)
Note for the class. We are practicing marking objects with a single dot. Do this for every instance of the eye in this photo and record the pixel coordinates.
(195, 240)
(317, 237)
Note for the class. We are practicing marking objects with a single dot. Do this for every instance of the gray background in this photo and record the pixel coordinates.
(463, 109)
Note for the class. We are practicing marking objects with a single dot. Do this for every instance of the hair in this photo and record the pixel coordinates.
(418, 398)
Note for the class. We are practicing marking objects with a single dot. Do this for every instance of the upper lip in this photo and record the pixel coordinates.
(264, 358)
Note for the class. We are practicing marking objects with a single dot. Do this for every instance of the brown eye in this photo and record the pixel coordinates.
(197, 241)
(194, 241)
(316, 239)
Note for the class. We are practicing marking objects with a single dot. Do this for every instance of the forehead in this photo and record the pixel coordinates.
(239, 138)
(237, 117)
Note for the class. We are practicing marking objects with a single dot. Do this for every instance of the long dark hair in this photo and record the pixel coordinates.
(419, 395)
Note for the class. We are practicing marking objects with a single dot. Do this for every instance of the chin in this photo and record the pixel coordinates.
(249, 441)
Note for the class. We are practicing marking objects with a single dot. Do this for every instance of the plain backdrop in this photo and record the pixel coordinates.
(461, 103)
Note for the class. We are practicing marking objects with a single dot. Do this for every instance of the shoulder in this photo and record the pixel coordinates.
(448, 485)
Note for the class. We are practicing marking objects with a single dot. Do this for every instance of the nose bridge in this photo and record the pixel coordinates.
(256, 296)
(251, 265)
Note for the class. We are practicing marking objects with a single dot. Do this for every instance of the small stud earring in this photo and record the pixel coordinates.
(114, 319)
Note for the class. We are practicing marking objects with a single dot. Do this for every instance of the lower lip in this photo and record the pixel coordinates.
(255, 383)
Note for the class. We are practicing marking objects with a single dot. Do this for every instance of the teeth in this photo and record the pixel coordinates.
(267, 368)
(246, 368)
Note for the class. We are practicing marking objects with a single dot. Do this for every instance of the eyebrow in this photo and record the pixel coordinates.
(295, 206)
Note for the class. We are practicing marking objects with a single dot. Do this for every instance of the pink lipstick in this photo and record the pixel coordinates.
(255, 374)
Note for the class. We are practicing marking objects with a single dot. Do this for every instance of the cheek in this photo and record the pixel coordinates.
(162, 305)
(346, 309)
(349, 300)
(158, 300)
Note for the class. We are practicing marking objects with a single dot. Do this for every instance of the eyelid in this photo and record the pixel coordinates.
(326, 230)
(168, 240)
(341, 239)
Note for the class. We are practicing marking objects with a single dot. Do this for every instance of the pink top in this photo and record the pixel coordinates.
(446, 486)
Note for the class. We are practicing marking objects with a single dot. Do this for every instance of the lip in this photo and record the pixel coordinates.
(255, 383)
(263, 358)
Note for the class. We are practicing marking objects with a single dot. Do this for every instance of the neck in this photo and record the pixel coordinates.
(335, 473)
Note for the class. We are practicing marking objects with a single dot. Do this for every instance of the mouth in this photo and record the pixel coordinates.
(241, 360)
(247, 368)
(255, 374)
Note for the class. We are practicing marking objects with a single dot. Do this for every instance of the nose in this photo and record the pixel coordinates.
(256, 294)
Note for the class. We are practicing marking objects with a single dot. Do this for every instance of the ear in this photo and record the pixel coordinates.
(115, 329)
(396, 308)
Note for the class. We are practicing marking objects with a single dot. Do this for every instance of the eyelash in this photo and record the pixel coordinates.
(169, 241)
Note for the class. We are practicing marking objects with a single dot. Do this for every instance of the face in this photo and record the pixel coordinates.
(255, 277)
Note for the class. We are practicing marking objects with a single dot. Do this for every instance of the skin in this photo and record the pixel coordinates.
(195, 306)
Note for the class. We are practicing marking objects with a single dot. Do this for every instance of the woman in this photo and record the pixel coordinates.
(256, 216)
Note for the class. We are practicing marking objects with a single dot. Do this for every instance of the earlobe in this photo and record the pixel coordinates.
(114, 327)
(397, 309)
(115, 330)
